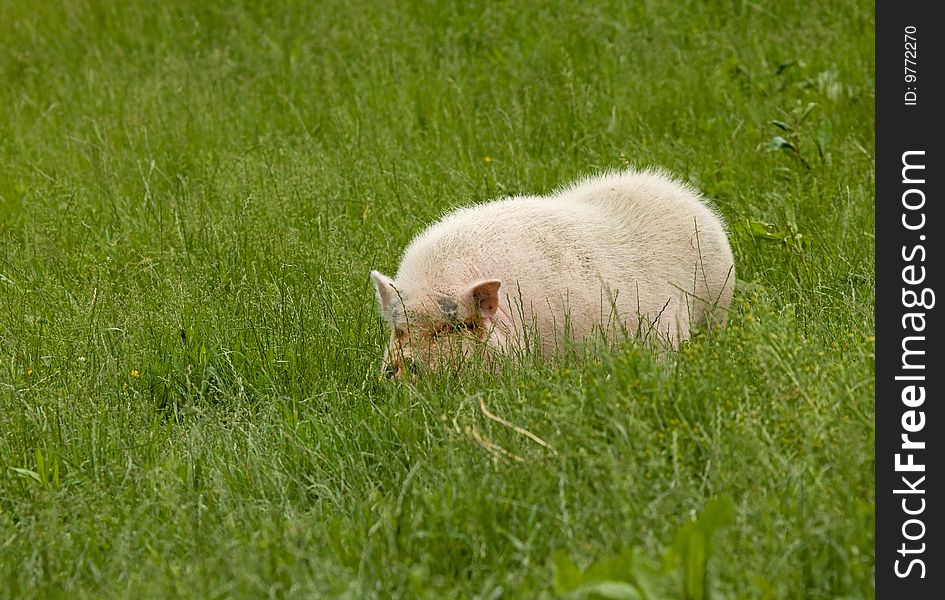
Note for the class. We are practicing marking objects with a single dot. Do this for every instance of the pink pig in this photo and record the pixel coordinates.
(629, 252)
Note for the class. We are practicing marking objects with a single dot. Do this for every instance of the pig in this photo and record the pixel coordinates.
(626, 253)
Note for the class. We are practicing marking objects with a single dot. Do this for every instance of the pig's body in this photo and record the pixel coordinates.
(635, 252)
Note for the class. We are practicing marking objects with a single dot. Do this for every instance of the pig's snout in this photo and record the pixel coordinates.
(402, 367)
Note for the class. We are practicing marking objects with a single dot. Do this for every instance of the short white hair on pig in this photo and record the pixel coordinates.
(636, 252)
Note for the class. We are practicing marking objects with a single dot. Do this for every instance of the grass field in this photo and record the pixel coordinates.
(192, 195)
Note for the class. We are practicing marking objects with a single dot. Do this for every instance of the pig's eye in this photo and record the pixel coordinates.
(467, 326)
(400, 332)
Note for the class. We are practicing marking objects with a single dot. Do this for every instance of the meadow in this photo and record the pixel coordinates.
(192, 195)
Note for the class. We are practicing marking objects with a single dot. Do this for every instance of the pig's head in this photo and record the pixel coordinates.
(430, 330)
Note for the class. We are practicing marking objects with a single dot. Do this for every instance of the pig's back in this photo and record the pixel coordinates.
(637, 242)
(523, 241)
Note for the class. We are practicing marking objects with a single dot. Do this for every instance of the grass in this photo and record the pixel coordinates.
(192, 195)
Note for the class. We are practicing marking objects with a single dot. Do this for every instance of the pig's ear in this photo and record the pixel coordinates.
(386, 292)
(482, 298)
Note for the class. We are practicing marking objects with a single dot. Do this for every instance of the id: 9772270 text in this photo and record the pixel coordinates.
(911, 66)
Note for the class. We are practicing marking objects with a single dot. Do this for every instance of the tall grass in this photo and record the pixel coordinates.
(192, 195)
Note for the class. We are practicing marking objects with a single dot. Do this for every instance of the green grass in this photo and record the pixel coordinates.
(192, 195)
